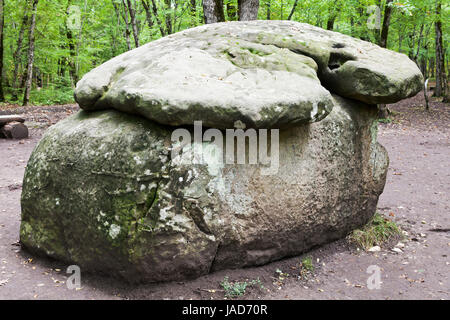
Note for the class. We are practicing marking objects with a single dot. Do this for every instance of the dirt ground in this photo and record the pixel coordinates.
(416, 197)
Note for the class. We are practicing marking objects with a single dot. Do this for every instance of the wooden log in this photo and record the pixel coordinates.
(14, 130)
(10, 118)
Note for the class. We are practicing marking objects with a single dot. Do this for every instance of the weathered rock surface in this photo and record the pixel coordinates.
(101, 191)
(263, 73)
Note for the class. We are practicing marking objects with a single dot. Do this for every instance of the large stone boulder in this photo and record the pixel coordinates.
(111, 190)
(265, 73)
(101, 191)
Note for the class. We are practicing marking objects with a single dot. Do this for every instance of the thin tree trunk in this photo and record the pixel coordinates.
(155, 14)
(133, 23)
(26, 96)
(419, 42)
(17, 54)
(148, 14)
(386, 23)
(193, 12)
(213, 11)
(281, 9)
(125, 18)
(127, 25)
(174, 17)
(169, 24)
(2, 23)
(293, 10)
(425, 93)
(268, 10)
(383, 110)
(80, 40)
(441, 81)
(423, 63)
(352, 26)
(72, 53)
(248, 9)
(331, 19)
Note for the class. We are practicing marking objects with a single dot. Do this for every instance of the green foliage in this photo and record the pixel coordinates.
(237, 289)
(375, 233)
(52, 95)
(307, 264)
(385, 120)
(100, 34)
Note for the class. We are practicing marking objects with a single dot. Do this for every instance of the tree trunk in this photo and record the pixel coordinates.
(423, 64)
(386, 22)
(127, 25)
(419, 42)
(72, 51)
(213, 11)
(293, 10)
(174, 16)
(124, 15)
(155, 14)
(383, 110)
(133, 23)
(26, 95)
(330, 21)
(2, 23)
(80, 41)
(193, 12)
(268, 9)
(441, 81)
(17, 54)
(148, 14)
(169, 24)
(248, 10)
(425, 93)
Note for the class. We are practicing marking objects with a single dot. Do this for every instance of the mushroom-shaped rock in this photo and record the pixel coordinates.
(102, 191)
(262, 73)
(111, 190)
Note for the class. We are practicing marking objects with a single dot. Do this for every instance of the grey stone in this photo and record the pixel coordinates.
(263, 73)
(101, 190)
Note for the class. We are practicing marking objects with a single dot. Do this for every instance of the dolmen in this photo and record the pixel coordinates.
(223, 146)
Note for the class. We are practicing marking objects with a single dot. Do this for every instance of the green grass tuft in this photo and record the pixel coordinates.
(237, 289)
(375, 233)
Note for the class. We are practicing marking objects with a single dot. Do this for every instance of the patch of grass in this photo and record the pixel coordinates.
(51, 96)
(385, 120)
(375, 233)
(44, 96)
(307, 264)
(238, 288)
(306, 268)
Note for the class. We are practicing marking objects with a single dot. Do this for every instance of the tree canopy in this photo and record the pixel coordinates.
(71, 37)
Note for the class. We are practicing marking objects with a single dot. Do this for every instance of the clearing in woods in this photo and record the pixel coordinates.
(416, 197)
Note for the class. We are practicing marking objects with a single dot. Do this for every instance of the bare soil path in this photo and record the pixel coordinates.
(416, 197)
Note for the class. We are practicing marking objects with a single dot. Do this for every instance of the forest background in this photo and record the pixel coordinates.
(46, 46)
